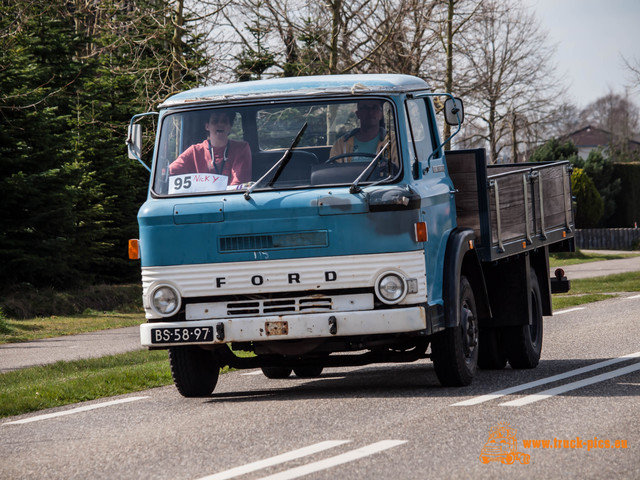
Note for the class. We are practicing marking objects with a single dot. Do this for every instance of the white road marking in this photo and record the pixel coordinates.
(634, 296)
(543, 381)
(255, 372)
(335, 461)
(536, 397)
(568, 310)
(268, 462)
(75, 410)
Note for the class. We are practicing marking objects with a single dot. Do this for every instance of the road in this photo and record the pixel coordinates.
(382, 421)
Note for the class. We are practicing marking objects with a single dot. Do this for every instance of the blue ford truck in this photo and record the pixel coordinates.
(276, 223)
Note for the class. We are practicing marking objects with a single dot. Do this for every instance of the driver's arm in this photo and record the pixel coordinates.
(338, 148)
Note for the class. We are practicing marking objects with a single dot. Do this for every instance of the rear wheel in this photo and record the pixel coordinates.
(523, 343)
(195, 371)
(455, 350)
(276, 372)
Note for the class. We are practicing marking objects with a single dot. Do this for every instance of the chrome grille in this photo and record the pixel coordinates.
(279, 306)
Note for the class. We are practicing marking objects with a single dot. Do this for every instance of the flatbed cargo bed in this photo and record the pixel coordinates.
(512, 208)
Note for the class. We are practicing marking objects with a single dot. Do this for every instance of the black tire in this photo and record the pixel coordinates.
(276, 372)
(195, 371)
(454, 351)
(308, 372)
(491, 354)
(523, 343)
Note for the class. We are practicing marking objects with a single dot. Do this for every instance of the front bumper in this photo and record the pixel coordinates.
(287, 327)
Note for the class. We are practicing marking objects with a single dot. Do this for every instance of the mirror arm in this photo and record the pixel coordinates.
(442, 144)
(129, 140)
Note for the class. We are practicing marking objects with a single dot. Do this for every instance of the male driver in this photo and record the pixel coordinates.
(369, 138)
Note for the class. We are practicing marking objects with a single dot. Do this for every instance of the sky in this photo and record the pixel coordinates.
(591, 37)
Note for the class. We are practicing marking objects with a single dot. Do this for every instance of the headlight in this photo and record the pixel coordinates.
(391, 288)
(165, 300)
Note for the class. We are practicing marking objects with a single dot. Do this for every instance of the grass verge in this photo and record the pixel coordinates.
(587, 290)
(562, 259)
(12, 330)
(568, 301)
(63, 383)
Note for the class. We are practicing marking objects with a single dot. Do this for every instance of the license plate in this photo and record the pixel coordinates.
(182, 335)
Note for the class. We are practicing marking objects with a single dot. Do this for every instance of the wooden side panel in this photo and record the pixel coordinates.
(462, 170)
(519, 196)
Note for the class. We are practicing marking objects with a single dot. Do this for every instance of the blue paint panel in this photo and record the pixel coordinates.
(198, 213)
(271, 213)
(342, 204)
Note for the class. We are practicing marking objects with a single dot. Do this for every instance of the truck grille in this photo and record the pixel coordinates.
(238, 243)
(265, 307)
(279, 306)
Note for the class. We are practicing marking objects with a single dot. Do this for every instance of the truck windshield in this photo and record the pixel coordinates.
(215, 150)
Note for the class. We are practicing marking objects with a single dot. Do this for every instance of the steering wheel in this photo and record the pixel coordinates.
(335, 158)
(381, 170)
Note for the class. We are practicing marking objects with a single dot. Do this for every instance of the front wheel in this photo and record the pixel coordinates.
(455, 350)
(523, 343)
(195, 371)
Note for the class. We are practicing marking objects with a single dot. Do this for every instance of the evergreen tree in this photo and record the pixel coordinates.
(72, 76)
(600, 170)
(589, 205)
(554, 151)
(46, 191)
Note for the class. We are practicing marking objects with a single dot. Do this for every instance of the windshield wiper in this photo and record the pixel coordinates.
(278, 166)
(355, 188)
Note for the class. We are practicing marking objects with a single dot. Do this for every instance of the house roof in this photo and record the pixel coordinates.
(592, 137)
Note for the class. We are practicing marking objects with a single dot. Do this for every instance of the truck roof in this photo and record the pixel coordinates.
(298, 86)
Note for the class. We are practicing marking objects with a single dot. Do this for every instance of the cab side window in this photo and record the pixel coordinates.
(419, 131)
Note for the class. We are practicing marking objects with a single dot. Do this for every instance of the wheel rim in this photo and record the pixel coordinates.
(469, 331)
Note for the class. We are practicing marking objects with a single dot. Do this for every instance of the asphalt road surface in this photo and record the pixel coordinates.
(380, 421)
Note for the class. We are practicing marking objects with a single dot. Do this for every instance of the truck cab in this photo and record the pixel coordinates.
(301, 237)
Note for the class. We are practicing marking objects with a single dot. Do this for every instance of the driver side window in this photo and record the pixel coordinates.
(418, 127)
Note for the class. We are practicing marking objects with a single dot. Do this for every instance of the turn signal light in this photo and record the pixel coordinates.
(134, 249)
(421, 232)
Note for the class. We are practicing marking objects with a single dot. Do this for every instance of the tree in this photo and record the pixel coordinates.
(589, 205)
(600, 170)
(49, 196)
(73, 73)
(256, 56)
(618, 115)
(554, 151)
(515, 89)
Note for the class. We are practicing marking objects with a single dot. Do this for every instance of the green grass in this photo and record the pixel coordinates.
(587, 290)
(620, 282)
(63, 383)
(572, 258)
(566, 301)
(12, 330)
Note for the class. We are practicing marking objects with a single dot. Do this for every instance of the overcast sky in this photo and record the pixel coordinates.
(591, 36)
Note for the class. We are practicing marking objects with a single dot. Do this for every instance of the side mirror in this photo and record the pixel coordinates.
(453, 111)
(134, 141)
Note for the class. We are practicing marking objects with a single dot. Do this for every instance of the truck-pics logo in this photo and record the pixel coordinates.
(502, 446)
